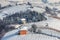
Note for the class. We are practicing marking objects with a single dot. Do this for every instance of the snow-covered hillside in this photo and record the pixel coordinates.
(37, 4)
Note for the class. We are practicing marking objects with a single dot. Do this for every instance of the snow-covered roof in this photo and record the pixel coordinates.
(39, 10)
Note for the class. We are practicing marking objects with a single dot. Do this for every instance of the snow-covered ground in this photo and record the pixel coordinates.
(31, 37)
(39, 6)
(13, 35)
(4, 3)
(12, 10)
(52, 23)
(35, 3)
(53, 1)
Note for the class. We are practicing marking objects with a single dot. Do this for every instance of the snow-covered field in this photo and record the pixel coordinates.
(12, 35)
(39, 3)
(31, 37)
(38, 6)
(12, 10)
